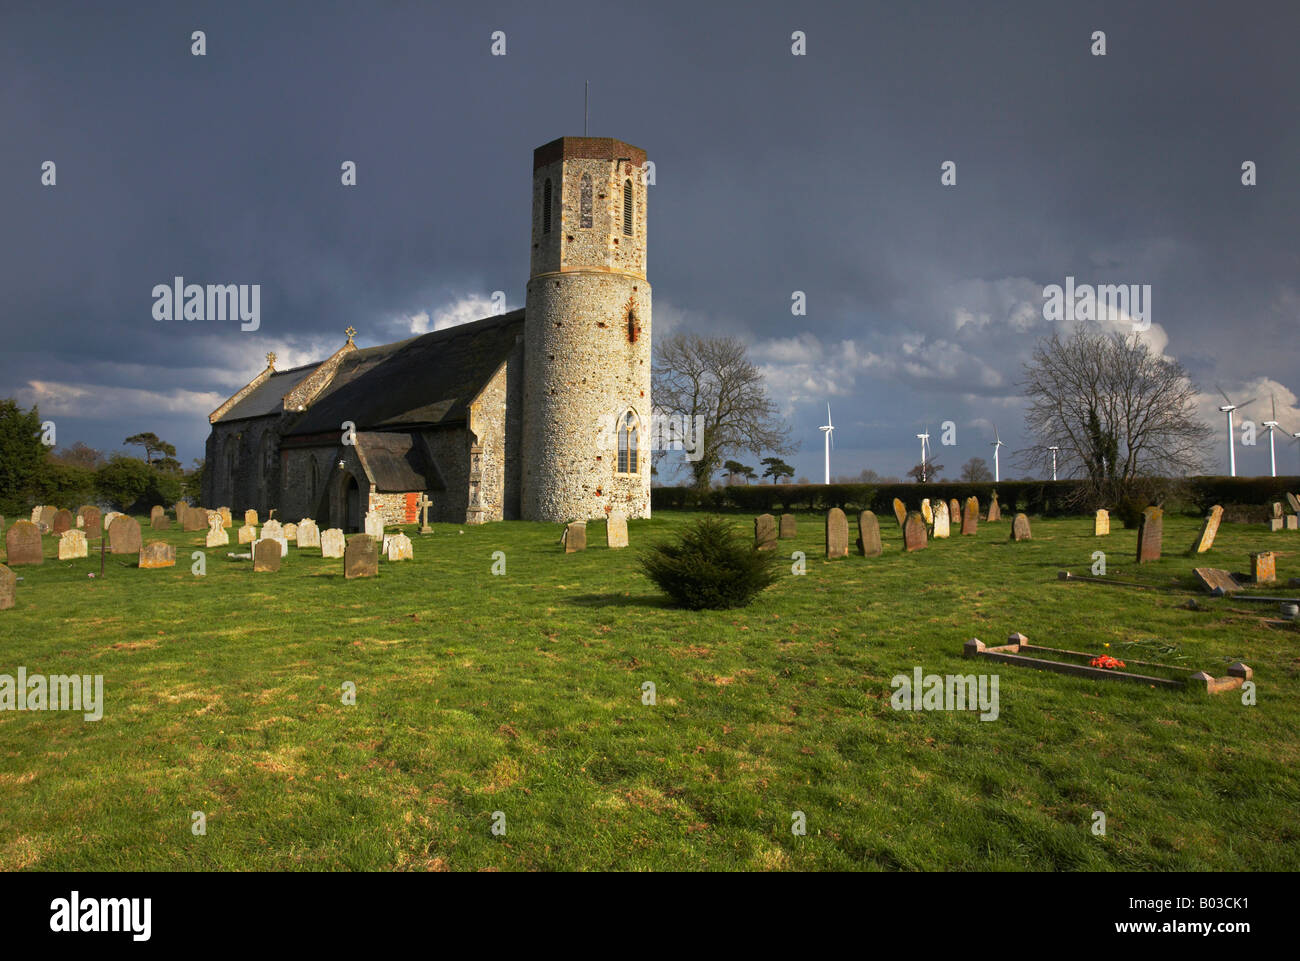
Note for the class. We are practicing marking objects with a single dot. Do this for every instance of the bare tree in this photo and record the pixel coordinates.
(976, 470)
(713, 378)
(1119, 413)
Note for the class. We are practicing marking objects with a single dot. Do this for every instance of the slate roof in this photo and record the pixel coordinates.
(267, 398)
(399, 461)
(426, 381)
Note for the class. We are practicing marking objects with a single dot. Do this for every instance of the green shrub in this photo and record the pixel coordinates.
(710, 566)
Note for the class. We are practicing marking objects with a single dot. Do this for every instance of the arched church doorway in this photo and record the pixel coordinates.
(353, 519)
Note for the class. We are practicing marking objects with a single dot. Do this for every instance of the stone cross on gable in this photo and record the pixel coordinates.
(351, 332)
(424, 503)
(270, 360)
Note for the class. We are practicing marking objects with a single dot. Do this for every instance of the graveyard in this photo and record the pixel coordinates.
(498, 676)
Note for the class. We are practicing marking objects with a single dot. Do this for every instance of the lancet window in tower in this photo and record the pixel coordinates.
(627, 207)
(627, 445)
(584, 201)
(546, 207)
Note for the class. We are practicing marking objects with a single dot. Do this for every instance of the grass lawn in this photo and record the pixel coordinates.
(522, 694)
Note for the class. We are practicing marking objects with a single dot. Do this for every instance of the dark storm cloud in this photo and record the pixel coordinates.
(775, 173)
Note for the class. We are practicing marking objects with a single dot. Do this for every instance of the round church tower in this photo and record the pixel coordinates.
(587, 413)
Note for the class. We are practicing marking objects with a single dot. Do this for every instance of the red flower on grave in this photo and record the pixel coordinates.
(1107, 661)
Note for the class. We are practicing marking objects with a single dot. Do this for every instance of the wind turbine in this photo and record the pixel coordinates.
(925, 446)
(996, 444)
(1227, 409)
(1270, 426)
(828, 429)
(1053, 450)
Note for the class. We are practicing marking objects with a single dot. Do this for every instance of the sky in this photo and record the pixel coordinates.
(775, 173)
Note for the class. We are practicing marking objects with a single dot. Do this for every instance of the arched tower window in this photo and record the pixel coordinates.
(627, 207)
(584, 201)
(628, 445)
(546, 207)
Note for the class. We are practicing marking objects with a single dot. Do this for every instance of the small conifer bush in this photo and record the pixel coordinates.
(710, 566)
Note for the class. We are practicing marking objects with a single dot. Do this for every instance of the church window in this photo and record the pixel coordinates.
(268, 456)
(546, 207)
(312, 478)
(627, 445)
(631, 327)
(584, 201)
(627, 207)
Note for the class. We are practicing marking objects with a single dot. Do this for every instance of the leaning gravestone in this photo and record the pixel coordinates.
(837, 533)
(72, 544)
(574, 537)
(788, 527)
(869, 535)
(250, 518)
(616, 530)
(914, 532)
(765, 532)
(399, 548)
(266, 555)
(157, 554)
(1205, 539)
(217, 536)
(157, 512)
(1150, 531)
(308, 533)
(1020, 528)
(23, 544)
(927, 511)
(970, 518)
(247, 534)
(361, 559)
(8, 587)
(332, 543)
(900, 511)
(1294, 502)
(942, 523)
(124, 536)
(1101, 523)
(375, 525)
(995, 511)
(62, 521)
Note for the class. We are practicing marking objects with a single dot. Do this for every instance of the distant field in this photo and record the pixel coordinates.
(522, 694)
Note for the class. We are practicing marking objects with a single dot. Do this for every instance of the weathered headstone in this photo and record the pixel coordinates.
(217, 536)
(1263, 567)
(900, 511)
(398, 548)
(869, 535)
(23, 544)
(1277, 509)
(124, 535)
(62, 521)
(1020, 528)
(1101, 523)
(1277, 524)
(1216, 581)
(247, 534)
(8, 587)
(1293, 522)
(250, 518)
(46, 517)
(914, 538)
(942, 523)
(81, 522)
(837, 533)
(375, 525)
(291, 532)
(954, 512)
(226, 520)
(332, 543)
(157, 512)
(789, 528)
(308, 533)
(765, 532)
(995, 509)
(1294, 502)
(1151, 528)
(72, 544)
(616, 530)
(575, 537)
(970, 518)
(108, 519)
(90, 514)
(36, 515)
(157, 554)
(1210, 527)
(927, 511)
(361, 559)
(266, 555)
(196, 519)
(274, 529)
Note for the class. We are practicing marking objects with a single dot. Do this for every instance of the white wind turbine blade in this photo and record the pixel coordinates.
(1225, 396)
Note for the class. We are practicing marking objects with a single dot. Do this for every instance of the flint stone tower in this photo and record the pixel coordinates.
(587, 334)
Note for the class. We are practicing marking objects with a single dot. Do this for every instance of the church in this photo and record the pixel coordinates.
(537, 414)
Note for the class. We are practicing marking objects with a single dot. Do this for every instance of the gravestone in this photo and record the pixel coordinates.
(308, 533)
(914, 532)
(164, 523)
(1216, 581)
(616, 530)
(995, 511)
(90, 514)
(8, 587)
(157, 554)
(1293, 522)
(398, 548)
(869, 535)
(361, 559)
(900, 511)
(788, 527)
(1020, 528)
(72, 544)
(1101, 523)
(196, 519)
(970, 518)
(954, 512)
(46, 517)
(217, 536)
(62, 521)
(375, 525)
(250, 518)
(226, 520)
(108, 519)
(424, 504)
(179, 510)
(274, 529)
(1294, 501)
(291, 532)
(942, 523)
(837, 533)
(926, 511)
(1150, 531)
(36, 515)
(1263, 567)
(124, 535)
(765, 532)
(1277, 509)
(1277, 523)
(332, 543)
(155, 514)
(247, 534)
(1210, 527)
(574, 537)
(81, 522)
(266, 555)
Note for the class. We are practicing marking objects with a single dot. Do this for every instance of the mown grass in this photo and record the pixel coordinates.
(523, 694)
